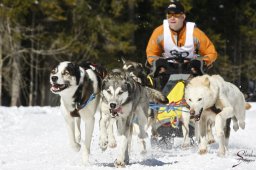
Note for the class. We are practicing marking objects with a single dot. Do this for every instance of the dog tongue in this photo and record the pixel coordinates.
(55, 87)
(117, 109)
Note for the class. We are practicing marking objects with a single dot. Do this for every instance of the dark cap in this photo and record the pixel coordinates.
(175, 7)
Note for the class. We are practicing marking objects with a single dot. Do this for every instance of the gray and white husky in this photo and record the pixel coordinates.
(76, 85)
(126, 102)
(136, 71)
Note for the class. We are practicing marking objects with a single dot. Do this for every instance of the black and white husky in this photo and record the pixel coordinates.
(126, 102)
(79, 90)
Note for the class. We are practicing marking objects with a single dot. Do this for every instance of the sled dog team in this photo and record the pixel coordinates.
(123, 101)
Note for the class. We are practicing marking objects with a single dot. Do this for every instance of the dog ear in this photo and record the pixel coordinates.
(123, 60)
(55, 66)
(206, 82)
(104, 83)
(187, 83)
(129, 86)
(74, 70)
(140, 65)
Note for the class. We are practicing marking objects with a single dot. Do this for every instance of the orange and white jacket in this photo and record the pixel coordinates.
(202, 44)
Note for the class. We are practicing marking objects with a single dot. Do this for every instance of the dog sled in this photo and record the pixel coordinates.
(170, 118)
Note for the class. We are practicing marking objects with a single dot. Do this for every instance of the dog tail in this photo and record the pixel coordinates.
(157, 95)
(247, 106)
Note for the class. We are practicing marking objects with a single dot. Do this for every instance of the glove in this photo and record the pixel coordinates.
(157, 66)
(197, 67)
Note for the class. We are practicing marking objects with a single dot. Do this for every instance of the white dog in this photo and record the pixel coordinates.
(78, 88)
(215, 101)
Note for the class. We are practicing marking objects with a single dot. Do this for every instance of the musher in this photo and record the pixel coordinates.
(189, 49)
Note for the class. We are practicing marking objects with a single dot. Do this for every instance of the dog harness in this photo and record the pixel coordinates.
(78, 107)
(82, 100)
(170, 114)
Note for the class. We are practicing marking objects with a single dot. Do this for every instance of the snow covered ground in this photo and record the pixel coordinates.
(35, 138)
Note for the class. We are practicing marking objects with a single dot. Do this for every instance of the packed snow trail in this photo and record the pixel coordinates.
(35, 138)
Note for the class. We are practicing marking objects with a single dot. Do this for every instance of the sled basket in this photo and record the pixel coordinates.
(170, 115)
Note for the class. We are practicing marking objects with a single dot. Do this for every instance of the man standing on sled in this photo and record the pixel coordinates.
(177, 35)
(178, 50)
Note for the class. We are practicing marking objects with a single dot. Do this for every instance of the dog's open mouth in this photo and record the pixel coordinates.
(58, 87)
(114, 112)
(197, 117)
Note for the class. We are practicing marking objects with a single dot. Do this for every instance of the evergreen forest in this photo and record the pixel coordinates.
(35, 35)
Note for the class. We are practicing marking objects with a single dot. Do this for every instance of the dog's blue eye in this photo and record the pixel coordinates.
(199, 99)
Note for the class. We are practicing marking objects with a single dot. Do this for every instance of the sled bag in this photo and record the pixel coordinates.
(175, 97)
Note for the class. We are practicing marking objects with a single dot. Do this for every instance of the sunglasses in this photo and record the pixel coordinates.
(173, 15)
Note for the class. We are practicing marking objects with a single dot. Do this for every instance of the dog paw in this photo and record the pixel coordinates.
(76, 147)
(202, 151)
(211, 141)
(119, 164)
(221, 153)
(235, 127)
(143, 147)
(185, 145)
(242, 125)
(85, 161)
(143, 152)
(86, 164)
(103, 144)
(112, 143)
